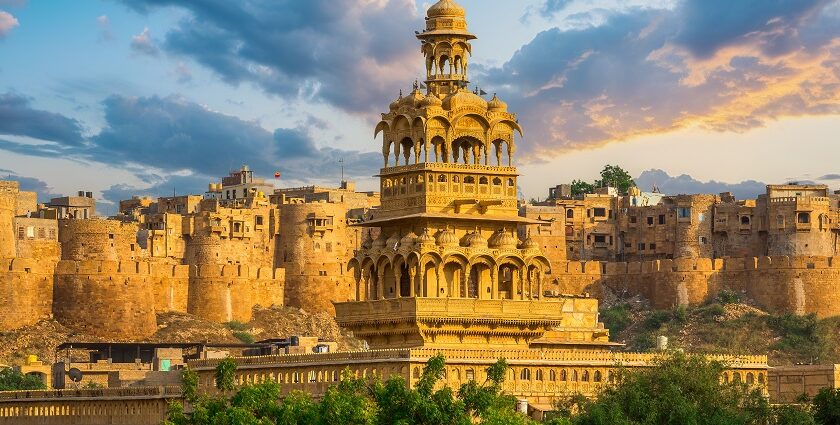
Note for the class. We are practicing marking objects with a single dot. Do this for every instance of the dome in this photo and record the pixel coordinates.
(463, 97)
(379, 243)
(392, 242)
(414, 100)
(496, 105)
(431, 100)
(425, 238)
(447, 238)
(474, 240)
(530, 243)
(446, 8)
(408, 240)
(396, 104)
(504, 240)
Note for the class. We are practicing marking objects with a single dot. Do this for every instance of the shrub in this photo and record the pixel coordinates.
(237, 326)
(726, 296)
(243, 336)
(616, 318)
(13, 380)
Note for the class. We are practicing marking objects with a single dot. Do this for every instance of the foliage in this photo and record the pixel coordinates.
(353, 401)
(616, 318)
(726, 296)
(793, 415)
(798, 332)
(225, 372)
(580, 187)
(13, 380)
(827, 406)
(189, 385)
(244, 336)
(237, 326)
(93, 385)
(615, 176)
(680, 389)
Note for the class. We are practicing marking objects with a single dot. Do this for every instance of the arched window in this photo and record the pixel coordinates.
(442, 178)
(456, 179)
(497, 182)
(570, 214)
(597, 376)
(416, 373)
(761, 378)
(750, 378)
(469, 179)
(574, 376)
(585, 376)
(552, 375)
(745, 220)
(736, 377)
(803, 218)
(564, 376)
(539, 375)
(510, 182)
(525, 375)
(482, 180)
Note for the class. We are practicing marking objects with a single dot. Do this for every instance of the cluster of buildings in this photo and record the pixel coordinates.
(444, 259)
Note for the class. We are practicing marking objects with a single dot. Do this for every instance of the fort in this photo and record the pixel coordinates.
(443, 259)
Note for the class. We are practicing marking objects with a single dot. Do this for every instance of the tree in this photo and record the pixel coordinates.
(615, 176)
(225, 373)
(580, 187)
(827, 406)
(679, 389)
(13, 380)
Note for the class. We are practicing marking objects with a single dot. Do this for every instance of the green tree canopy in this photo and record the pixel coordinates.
(13, 380)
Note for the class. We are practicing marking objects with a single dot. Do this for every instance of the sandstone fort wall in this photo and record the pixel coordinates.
(230, 292)
(799, 285)
(26, 292)
(107, 240)
(8, 207)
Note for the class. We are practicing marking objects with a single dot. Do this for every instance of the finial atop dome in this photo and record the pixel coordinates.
(446, 8)
(496, 105)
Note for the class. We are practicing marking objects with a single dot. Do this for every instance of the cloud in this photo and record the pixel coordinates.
(18, 118)
(647, 71)
(830, 177)
(354, 54)
(104, 24)
(31, 184)
(183, 72)
(7, 22)
(550, 7)
(687, 185)
(143, 44)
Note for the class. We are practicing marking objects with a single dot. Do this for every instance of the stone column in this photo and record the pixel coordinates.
(494, 284)
(397, 283)
(380, 284)
(465, 288)
(423, 292)
(539, 285)
(412, 292)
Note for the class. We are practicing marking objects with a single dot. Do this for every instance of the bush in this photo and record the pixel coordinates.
(712, 310)
(827, 406)
(726, 296)
(237, 326)
(13, 380)
(243, 336)
(616, 318)
(657, 319)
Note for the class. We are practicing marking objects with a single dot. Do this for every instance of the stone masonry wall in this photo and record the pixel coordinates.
(26, 292)
(230, 292)
(799, 285)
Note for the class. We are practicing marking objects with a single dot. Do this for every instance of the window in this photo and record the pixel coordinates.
(111, 236)
(329, 246)
(525, 375)
(633, 219)
(442, 178)
(570, 214)
(539, 375)
(510, 182)
(42, 233)
(258, 220)
(653, 247)
(703, 240)
(597, 376)
(30, 232)
(780, 221)
(482, 180)
(650, 221)
(52, 233)
(641, 246)
(469, 179)
(552, 375)
(497, 182)
(803, 218)
(661, 218)
(237, 227)
(564, 375)
(131, 246)
(456, 179)
(21, 233)
(600, 239)
(745, 220)
(470, 375)
(234, 193)
(684, 212)
(585, 376)
(600, 212)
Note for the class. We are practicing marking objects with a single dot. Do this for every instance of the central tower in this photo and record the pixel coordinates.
(447, 268)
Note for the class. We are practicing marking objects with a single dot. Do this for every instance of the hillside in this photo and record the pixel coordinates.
(42, 338)
(728, 325)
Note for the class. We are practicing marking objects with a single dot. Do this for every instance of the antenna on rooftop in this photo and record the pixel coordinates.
(341, 161)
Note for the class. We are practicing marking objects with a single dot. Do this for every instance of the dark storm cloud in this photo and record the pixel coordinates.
(687, 185)
(19, 118)
(344, 52)
(647, 71)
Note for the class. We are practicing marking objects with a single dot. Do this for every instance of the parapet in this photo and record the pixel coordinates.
(235, 271)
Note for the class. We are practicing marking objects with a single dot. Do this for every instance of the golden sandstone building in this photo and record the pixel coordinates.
(441, 260)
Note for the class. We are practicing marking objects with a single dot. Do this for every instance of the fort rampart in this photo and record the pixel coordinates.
(26, 292)
(799, 285)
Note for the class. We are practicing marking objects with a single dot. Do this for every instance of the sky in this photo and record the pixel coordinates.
(154, 97)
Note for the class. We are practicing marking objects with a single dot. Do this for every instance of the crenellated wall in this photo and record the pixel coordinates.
(26, 292)
(223, 293)
(799, 285)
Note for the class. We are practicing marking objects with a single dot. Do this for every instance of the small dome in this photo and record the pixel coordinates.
(446, 8)
(463, 97)
(431, 100)
(414, 100)
(447, 238)
(425, 238)
(530, 243)
(504, 240)
(396, 104)
(392, 242)
(379, 243)
(408, 240)
(474, 240)
(496, 105)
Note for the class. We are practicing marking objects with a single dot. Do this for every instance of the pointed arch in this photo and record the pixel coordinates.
(383, 126)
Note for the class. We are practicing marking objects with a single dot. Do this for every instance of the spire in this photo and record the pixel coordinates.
(446, 46)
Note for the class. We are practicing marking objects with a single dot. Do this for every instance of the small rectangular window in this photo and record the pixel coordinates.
(641, 247)
(684, 212)
(661, 218)
(653, 247)
(632, 218)
(21, 232)
(650, 221)
(600, 212)
(259, 220)
(30, 232)
(600, 238)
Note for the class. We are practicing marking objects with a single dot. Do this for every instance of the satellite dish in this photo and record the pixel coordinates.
(75, 375)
